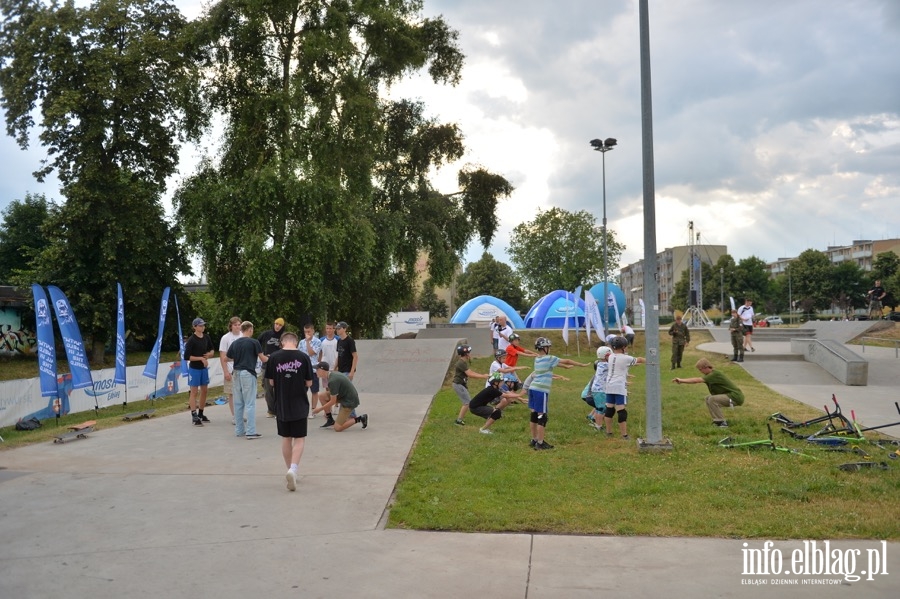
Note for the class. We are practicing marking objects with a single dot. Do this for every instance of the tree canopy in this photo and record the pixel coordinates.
(113, 85)
(559, 249)
(319, 200)
(489, 276)
(21, 235)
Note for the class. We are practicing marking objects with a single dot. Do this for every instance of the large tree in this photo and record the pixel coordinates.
(811, 280)
(319, 200)
(559, 249)
(113, 84)
(489, 276)
(21, 235)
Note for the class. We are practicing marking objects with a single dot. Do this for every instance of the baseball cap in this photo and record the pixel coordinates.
(322, 366)
(198, 322)
(341, 325)
(279, 321)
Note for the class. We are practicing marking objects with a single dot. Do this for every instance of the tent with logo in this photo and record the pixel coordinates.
(551, 311)
(597, 292)
(484, 308)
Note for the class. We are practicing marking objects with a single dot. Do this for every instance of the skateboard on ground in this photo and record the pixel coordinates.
(138, 415)
(76, 431)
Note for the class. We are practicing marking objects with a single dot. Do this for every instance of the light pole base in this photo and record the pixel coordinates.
(646, 446)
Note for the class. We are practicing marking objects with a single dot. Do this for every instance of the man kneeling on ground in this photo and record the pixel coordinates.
(342, 391)
(722, 391)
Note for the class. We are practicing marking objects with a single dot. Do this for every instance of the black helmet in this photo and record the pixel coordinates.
(618, 343)
(499, 355)
(541, 343)
(463, 350)
(513, 337)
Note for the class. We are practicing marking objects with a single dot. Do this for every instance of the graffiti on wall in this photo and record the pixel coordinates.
(16, 341)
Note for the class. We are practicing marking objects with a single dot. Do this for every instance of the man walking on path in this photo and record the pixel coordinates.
(244, 352)
(341, 391)
(747, 314)
(270, 341)
(681, 336)
(290, 372)
(198, 349)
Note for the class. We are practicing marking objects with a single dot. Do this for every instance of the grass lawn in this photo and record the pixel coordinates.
(458, 479)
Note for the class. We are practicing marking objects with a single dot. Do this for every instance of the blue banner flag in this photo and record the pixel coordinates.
(46, 349)
(119, 377)
(153, 363)
(68, 328)
(184, 364)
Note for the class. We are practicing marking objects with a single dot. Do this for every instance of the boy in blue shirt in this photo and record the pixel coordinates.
(539, 389)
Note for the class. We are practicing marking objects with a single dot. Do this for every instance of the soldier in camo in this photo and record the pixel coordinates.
(736, 328)
(681, 336)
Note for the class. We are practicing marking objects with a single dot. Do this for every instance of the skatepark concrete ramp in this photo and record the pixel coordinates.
(403, 366)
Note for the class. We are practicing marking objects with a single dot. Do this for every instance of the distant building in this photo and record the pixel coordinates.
(672, 263)
(861, 252)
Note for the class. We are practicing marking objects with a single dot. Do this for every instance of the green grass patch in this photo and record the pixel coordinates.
(458, 479)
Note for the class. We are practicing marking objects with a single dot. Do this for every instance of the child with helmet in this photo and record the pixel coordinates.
(461, 374)
(594, 393)
(513, 351)
(539, 389)
(616, 385)
(483, 403)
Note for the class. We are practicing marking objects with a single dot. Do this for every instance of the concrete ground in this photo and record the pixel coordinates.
(162, 509)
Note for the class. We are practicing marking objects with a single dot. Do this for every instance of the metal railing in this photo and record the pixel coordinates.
(896, 343)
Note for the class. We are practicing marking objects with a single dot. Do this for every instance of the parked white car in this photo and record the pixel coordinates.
(773, 320)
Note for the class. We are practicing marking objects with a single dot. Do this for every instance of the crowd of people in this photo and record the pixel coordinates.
(298, 378)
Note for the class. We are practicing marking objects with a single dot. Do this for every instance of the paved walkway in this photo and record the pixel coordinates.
(162, 509)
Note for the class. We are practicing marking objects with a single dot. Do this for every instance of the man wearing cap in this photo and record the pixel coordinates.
(341, 391)
(198, 349)
(270, 341)
(244, 352)
(347, 358)
(290, 372)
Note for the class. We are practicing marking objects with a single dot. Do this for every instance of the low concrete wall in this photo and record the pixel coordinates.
(841, 362)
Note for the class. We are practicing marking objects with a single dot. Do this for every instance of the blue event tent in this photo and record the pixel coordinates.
(484, 308)
(551, 311)
(597, 292)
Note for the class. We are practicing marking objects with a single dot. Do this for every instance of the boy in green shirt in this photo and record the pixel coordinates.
(722, 391)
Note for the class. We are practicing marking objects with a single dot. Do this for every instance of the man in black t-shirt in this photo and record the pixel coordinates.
(876, 294)
(289, 372)
(347, 358)
(270, 341)
(197, 350)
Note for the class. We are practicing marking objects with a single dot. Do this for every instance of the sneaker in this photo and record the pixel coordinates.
(197, 421)
(270, 415)
(204, 418)
(312, 415)
(752, 349)
(291, 479)
(590, 419)
(721, 423)
(542, 445)
(608, 434)
(460, 422)
(485, 431)
(532, 443)
(364, 419)
(328, 423)
(626, 437)
(252, 436)
(233, 422)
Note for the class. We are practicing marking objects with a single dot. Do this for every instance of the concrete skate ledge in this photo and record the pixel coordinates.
(837, 359)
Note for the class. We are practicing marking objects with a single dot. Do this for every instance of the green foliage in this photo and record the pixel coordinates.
(113, 83)
(490, 277)
(847, 283)
(428, 301)
(885, 266)
(809, 273)
(321, 190)
(21, 234)
(561, 250)
(751, 280)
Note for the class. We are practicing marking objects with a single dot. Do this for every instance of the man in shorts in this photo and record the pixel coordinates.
(341, 391)
(290, 372)
(198, 349)
(747, 314)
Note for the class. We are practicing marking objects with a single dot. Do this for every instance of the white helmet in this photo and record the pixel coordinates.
(602, 352)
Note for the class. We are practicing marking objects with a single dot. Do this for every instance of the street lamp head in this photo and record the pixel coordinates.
(603, 145)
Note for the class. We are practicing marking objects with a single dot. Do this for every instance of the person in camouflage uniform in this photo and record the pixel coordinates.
(681, 336)
(736, 328)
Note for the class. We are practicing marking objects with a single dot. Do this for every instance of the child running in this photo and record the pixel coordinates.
(539, 389)
(616, 385)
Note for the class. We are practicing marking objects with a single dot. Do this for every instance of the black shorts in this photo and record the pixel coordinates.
(748, 329)
(294, 429)
(483, 411)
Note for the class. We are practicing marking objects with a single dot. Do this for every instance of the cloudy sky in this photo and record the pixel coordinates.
(776, 122)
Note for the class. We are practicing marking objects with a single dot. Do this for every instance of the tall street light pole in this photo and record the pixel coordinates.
(603, 146)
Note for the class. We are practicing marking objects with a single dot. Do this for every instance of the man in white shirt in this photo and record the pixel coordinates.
(503, 333)
(746, 313)
(234, 332)
(328, 347)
